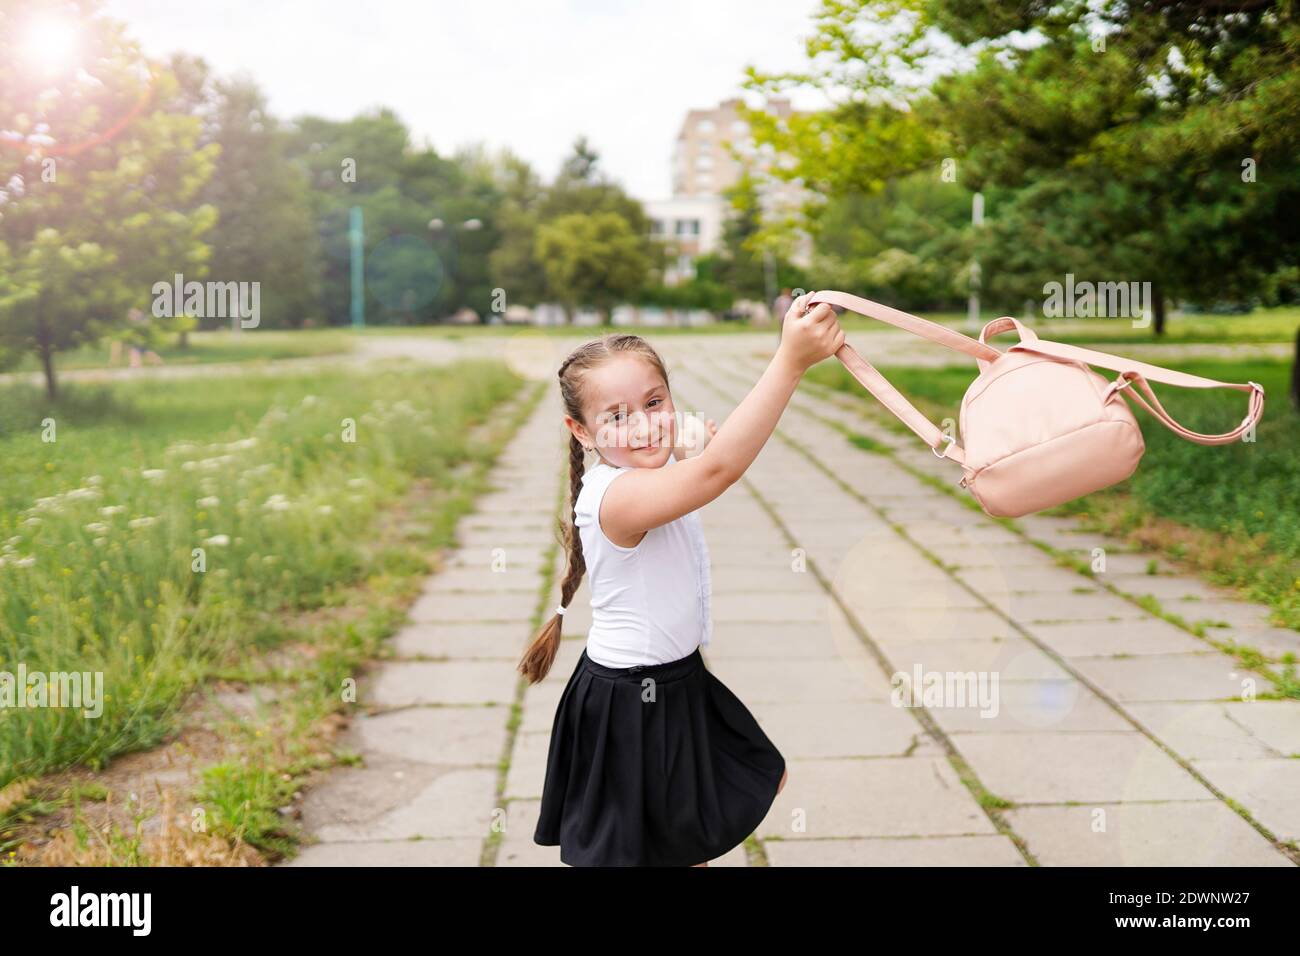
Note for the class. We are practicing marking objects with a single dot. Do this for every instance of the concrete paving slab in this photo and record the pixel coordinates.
(1078, 767)
(995, 850)
(1182, 834)
(887, 796)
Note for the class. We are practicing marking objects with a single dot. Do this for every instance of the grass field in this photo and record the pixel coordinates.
(1240, 502)
(212, 347)
(174, 529)
(1277, 325)
(1262, 325)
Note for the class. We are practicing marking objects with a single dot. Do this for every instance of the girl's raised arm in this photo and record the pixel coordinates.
(645, 498)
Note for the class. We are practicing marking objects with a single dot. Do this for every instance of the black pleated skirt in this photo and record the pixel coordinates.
(655, 765)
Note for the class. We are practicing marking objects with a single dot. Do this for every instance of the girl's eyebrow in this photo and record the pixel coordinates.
(650, 391)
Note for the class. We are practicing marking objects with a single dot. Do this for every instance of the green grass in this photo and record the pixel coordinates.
(1243, 498)
(98, 529)
(207, 348)
(242, 801)
(564, 331)
(1261, 326)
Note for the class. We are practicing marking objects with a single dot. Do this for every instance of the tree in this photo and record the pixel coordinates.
(101, 170)
(1145, 123)
(740, 264)
(592, 260)
(421, 260)
(1123, 138)
(536, 224)
(265, 230)
(513, 264)
(907, 244)
(582, 186)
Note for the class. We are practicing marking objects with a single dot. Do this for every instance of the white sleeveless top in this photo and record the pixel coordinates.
(649, 604)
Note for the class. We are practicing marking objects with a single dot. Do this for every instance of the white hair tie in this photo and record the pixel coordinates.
(559, 609)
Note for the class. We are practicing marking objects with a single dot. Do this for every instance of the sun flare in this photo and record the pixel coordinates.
(50, 44)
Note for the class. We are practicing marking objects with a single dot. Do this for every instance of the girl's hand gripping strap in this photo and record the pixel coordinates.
(879, 386)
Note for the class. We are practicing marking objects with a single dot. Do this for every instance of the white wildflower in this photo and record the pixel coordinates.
(217, 540)
(211, 464)
(211, 501)
(141, 522)
(154, 474)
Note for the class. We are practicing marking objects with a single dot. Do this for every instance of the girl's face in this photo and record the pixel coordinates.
(629, 414)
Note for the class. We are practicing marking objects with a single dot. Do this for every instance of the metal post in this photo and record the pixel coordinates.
(973, 306)
(356, 239)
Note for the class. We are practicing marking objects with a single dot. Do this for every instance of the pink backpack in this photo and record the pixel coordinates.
(1038, 426)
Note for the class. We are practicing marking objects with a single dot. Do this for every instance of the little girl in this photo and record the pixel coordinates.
(653, 761)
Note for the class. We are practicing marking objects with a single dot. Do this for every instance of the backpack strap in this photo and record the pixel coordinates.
(1135, 372)
(911, 323)
(1131, 371)
(892, 399)
(879, 386)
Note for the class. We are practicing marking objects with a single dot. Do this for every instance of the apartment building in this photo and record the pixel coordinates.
(703, 163)
(703, 166)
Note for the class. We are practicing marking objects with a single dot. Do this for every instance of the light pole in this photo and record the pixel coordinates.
(439, 228)
(973, 305)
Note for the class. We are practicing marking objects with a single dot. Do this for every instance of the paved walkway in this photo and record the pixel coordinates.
(1118, 738)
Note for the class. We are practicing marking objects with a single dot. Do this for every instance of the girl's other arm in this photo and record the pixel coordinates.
(646, 498)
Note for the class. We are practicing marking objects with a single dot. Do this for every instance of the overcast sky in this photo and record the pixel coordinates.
(531, 76)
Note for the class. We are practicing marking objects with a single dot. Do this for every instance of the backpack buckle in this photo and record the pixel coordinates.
(1120, 383)
(944, 454)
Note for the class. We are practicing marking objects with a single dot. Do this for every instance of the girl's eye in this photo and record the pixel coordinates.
(618, 416)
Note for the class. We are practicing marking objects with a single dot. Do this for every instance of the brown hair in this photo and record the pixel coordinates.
(540, 655)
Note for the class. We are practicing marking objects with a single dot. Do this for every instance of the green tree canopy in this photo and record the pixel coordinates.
(101, 170)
